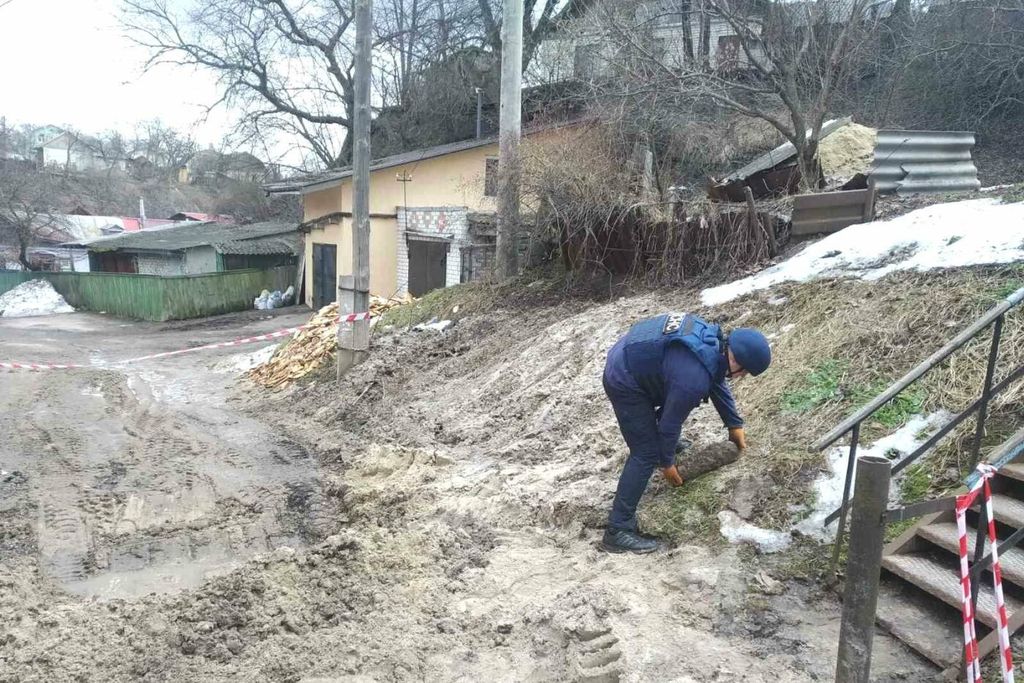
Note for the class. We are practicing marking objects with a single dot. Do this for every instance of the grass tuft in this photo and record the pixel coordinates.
(821, 385)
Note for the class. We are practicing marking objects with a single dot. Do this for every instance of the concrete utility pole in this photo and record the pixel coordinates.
(509, 163)
(354, 289)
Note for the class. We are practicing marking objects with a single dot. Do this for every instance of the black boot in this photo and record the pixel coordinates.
(625, 541)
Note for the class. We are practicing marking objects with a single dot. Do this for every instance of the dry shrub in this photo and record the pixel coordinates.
(599, 205)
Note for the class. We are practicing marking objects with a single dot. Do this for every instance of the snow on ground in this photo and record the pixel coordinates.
(952, 235)
(35, 297)
(735, 530)
(828, 487)
(243, 362)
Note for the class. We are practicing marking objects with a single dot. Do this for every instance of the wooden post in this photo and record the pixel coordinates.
(354, 289)
(769, 230)
(509, 163)
(869, 201)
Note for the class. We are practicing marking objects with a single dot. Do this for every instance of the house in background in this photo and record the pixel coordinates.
(209, 167)
(431, 217)
(67, 151)
(183, 216)
(196, 247)
(576, 52)
(44, 133)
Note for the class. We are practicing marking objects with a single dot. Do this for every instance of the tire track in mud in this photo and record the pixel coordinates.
(135, 493)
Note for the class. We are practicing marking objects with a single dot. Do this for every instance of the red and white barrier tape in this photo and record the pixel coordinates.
(352, 317)
(40, 366)
(971, 658)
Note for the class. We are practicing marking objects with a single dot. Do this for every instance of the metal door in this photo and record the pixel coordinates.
(325, 275)
(428, 262)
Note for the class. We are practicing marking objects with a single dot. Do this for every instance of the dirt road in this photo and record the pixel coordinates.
(140, 479)
(432, 518)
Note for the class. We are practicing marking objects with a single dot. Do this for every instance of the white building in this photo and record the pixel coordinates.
(70, 152)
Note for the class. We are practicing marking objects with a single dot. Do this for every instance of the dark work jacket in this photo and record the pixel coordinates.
(680, 365)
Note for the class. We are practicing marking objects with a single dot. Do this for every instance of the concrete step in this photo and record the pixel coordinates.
(1007, 510)
(944, 535)
(943, 581)
(926, 626)
(1014, 470)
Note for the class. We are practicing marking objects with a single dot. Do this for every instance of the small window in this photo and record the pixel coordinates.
(491, 177)
(584, 62)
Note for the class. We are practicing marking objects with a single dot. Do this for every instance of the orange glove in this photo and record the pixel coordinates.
(672, 476)
(737, 436)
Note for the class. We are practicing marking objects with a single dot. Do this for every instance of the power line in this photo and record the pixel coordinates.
(4, 3)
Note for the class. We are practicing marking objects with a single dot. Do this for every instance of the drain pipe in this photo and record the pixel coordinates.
(479, 111)
(860, 596)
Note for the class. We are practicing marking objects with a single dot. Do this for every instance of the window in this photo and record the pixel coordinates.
(584, 62)
(491, 177)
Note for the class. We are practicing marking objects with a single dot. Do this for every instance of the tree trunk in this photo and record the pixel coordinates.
(705, 37)
(810, 169)
(23, 256)
(686, 13)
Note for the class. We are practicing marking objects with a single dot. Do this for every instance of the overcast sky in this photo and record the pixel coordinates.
(68, 62)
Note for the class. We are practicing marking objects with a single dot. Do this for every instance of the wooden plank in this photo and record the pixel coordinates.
(830, 199)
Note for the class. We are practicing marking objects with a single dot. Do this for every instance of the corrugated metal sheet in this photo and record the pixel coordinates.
(918, 161)
(831, 211)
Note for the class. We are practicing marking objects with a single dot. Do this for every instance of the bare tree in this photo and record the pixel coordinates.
(166, 147)
(540, 18)
(287, 66)
(965, 66)
(26, 209)
(776, 61)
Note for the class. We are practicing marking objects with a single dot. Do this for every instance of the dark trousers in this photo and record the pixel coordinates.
(638, 422)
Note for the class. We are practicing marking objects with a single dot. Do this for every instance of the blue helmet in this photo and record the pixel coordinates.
(751, 350)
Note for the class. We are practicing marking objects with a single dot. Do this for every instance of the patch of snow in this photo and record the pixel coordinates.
(951, 235)
(784, 330)
(35, 297)
(828, 487)
(243, 362)
(434, 326)
(777, 300)
(994, 188)
(735, 530)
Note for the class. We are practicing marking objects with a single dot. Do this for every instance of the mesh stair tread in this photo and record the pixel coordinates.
(926, 627)
(943, 581)
(945, 535)
(1008, 510)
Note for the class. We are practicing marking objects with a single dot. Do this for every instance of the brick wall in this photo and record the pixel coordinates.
(434, 220)
(160, 264)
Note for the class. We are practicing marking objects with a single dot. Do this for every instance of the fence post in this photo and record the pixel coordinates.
(860, 596)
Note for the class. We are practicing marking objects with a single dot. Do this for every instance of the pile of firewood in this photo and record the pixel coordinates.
(311, 346)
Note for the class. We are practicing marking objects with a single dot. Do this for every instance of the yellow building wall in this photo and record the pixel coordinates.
(455, 179)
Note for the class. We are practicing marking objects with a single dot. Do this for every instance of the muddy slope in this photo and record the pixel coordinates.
(434, 517)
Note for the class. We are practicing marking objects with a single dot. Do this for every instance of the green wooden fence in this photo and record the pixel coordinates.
(153, 297)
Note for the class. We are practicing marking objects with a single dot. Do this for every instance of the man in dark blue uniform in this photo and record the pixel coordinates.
(655, 376)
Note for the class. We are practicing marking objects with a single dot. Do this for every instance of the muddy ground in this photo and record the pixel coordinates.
(433, 517)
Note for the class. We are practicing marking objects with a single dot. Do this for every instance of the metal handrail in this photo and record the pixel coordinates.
(926, 365)
(852, 424)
